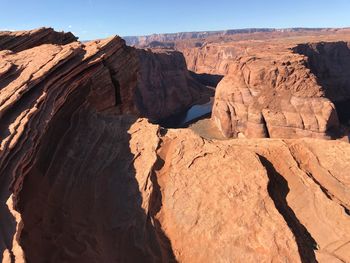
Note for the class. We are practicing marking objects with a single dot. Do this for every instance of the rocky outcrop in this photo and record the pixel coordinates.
(148, 83)
(254, 200)
(82, 180)
(113, 188)
(330, 63)
(212, 59)
(165, 86)
(274, 94)
(42, 89)
(20, 40)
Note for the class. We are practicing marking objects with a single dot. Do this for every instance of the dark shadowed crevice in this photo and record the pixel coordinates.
(346, 210)
(211, 80)
(278, 190)
(155, 205)
(343, 110)
(116, 85)
(118, 99)
(267, 134)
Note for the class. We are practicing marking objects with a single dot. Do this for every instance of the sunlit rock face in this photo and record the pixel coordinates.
(20, 40)
(83, 179)
(286, 92)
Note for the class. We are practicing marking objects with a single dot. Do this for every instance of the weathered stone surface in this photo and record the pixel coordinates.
(40, 82)
(274, 94)
(54, 100)
(21, 40)
(165, 86)
(310, 174)
(208, 198)
(81, 180)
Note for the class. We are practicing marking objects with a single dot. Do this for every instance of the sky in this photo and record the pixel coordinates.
(92, 19)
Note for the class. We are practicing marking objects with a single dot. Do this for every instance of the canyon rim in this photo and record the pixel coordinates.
(216, 146)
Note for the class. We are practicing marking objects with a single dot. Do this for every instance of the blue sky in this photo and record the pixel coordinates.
(90, 19)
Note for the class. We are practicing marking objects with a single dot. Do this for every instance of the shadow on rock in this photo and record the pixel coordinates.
(278, 190)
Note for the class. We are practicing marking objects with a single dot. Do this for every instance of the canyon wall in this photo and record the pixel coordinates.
(330, 63)
(143, 41)
(55, 99)
(284, 91)
(165, 86)
(82, 179)
(273, 95)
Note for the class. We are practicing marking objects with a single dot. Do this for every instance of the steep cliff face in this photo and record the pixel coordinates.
(56, 99)
(43, 89)
(165, 86)
(280, 93)
(157, 78)
(330, 63)
(213, 59)
(83, 180)
(21, 40)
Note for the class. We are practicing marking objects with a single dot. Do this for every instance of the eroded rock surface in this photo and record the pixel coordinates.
(21, 40)
(165, 86)
(286, 202)
(286, 93)
(273, 95)
(330, 63)
(82, 179)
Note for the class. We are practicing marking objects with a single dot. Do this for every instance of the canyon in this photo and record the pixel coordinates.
(93, 168)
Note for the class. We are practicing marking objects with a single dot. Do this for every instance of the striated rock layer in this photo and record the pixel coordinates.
(165, 85)
(83, 180)
(115, 189)
(21, 40)
(286, 93)
(48, 95)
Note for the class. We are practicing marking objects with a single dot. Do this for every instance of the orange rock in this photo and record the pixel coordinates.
(82, 180)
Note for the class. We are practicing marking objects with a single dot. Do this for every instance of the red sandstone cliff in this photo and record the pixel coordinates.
(165, 85)
(21, 40)
(82, 180)
(285, 93)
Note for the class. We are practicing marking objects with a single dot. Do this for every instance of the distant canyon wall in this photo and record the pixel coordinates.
(142, 41)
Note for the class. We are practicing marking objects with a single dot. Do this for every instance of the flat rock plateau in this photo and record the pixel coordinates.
(87, 173)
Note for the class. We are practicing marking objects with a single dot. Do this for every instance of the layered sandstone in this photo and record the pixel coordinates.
(82, 179)
(165, 85)
(286, 93)
(146, 41)
(121, 189)
(21, 40)
(330, 63)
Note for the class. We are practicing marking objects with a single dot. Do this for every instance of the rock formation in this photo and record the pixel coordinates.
(330, 63)
(82, 179)
(254, 200)
(165, 85)
(145, 41)
(286, 93)
(21, 40)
